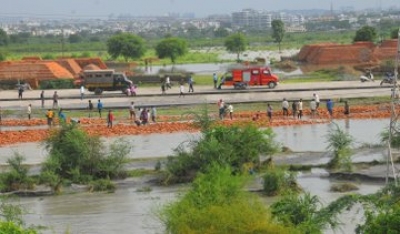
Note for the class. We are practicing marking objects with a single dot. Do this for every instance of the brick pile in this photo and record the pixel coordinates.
(359, 52)
(33, 69)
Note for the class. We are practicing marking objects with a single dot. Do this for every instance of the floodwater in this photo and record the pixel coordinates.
(208, 69)
(131, 211)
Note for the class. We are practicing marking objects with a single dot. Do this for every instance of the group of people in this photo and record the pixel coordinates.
(166, 84)
(224, 109)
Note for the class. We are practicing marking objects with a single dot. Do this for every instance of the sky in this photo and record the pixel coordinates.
(201, 8)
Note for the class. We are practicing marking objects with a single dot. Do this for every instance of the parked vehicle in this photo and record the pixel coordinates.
(241, 78)
(388, 79)
(367, 77)
(105, 80)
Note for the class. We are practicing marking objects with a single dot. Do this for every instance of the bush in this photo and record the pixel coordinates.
(17, 177)
(277, 181)
(340, 143)
(80, 158)
(232, 146)
(102, 185)
(12, 228)
(57, 84)
(217, 203)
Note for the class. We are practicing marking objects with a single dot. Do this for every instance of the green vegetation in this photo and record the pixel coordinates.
(17, 177)
(306, 214)
(171, 48)
(236, 43)
(339, 142)
(366, 33)
(279, 181)
(232, 146)
(77, 157)
(278, 31)
(217, 203)
(126, 45)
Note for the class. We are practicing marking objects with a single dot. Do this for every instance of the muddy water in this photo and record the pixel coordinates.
(298, 138)
(130, 211)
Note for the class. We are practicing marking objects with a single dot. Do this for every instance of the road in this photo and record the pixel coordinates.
(151, 96)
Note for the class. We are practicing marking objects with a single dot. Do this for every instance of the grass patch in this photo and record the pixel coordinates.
(343, 187)
(140, 172)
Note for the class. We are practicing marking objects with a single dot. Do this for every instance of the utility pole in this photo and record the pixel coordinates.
(394, 129)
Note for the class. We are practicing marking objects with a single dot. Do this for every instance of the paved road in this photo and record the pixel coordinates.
(69, 99)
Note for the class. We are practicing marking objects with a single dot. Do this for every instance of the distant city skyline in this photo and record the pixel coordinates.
(104, 8)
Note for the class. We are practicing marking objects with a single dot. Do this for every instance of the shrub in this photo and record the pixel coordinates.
(217, 203)
(232, 146)
(278, 180)
(340, 143)
(80, 158)
(17, 177)
(102, 185)
(12, 228)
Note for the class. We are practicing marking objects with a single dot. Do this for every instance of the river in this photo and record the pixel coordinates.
(131, 211)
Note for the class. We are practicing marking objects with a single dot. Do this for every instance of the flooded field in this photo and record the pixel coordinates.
(128, 210)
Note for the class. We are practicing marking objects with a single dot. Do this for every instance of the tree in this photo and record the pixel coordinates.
(171, 47)
(75, 38)
(236, 43)
(278, 31)
(394, 34)
(221, 32)
(4, 39)
(366, 33)
(127, 45)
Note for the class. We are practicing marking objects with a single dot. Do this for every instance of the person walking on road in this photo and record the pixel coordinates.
(55, 100)
(300, 109)
(313, 108)
(316, 98)
(42, 98)
(190, 82)
(269, 112)
(50, 116)
(168, 83)
(99, 107)
(20, 91)
(82, 91)
(29, 111)
(215, 80)
(132, 114)
(294, 109)
(221, 108)
(329, 107)
(181, 90)
(285, 108)
(110, 119)
(230, 109)
(153, 113)
(90, 108)
(346, 108)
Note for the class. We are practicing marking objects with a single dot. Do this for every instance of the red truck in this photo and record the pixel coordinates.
(241, 78)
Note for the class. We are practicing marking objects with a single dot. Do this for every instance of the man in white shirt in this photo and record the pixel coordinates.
(82, 92)
(285, 107)
(313, 107)
(316, 99)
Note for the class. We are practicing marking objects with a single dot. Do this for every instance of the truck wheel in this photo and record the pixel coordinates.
(98, 91)
(271, 85)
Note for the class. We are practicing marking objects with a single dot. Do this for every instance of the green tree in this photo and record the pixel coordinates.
(236, 43)
(75, 38)
(172, 48)
(394, 34)
(4, 39)
(127, 45)
(278, 31)
(221, 32)
(366, 33)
